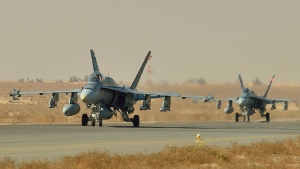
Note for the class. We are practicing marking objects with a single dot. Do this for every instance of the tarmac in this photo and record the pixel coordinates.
(27, 142)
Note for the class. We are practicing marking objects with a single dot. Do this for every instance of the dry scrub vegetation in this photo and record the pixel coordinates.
(280, 154)
(34, 108)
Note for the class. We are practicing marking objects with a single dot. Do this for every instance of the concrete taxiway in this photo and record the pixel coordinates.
(26, 142)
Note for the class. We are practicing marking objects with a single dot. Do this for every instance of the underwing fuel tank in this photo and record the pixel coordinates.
(71, 109)
(229, 109)
(250, 112)
(106, 113)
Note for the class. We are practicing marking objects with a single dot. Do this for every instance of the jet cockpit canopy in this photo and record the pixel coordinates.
(97, 77)
(245, 90)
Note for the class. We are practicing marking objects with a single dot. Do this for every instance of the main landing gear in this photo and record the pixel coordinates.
(84, 120)
(95, 117)
(135, 120)
(237, 116)
(267, 117)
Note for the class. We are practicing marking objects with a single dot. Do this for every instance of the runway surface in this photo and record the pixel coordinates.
(26, 142)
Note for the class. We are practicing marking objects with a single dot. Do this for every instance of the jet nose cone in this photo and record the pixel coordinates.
(242, 101)
(87, 95)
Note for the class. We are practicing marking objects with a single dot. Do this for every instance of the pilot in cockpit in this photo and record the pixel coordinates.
(96, 77)
(246, 90)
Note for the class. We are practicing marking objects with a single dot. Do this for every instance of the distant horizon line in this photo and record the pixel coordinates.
(161, 83)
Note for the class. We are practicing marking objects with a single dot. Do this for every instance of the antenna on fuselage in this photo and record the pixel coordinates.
(269, 86)
(139, 74)
(94, 61)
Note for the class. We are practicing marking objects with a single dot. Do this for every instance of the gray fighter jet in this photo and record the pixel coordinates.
(206, 99)
(249, 103)
(105, 97)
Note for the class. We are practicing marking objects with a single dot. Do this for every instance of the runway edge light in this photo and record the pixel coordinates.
(198, 139)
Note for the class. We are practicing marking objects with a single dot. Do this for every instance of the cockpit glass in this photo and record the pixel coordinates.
(246, 90)
(96, 77)
(109, 82)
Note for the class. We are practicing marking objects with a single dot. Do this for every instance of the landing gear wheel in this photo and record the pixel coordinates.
(84, 120)
(237, 115)
(93, 122)
(136, 121)
(100, 123)
(267, 117)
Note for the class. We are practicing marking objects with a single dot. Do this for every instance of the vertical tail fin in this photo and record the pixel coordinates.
(212, 97)
(269, 86)
(241, 81)
(139, 74)
(94, 61)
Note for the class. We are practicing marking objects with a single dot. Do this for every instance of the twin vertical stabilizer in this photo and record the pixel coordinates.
(241, 81)
(139, 74)
(269, 86)
(94, 61)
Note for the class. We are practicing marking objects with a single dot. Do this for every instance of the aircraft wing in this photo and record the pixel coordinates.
(194, 97)
(203, 97)
(227, 99)
(16, 93)
(270, 101)
(157, 94)
(160, 94)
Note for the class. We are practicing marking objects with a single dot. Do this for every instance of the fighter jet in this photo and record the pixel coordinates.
(105, 97)
(206, 99)
(249, 103)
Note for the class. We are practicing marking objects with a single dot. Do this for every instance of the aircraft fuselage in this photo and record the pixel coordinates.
(93, 93)
(246, 101)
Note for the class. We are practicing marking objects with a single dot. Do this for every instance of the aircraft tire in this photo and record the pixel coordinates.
(136, 121)
(93, 122)
(84, 119)
(100, 123)
(237, 115)
(268, 117)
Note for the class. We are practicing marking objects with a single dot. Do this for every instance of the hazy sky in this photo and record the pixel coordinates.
(215, 40)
